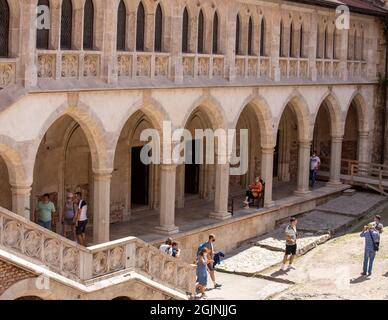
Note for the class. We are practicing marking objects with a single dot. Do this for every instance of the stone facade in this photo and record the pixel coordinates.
(72, 119)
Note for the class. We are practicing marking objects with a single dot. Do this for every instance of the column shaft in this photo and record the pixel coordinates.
(21, 196)
(303, 168)
(335, 160)
(221, 193)
(267, 155)
(101, 207)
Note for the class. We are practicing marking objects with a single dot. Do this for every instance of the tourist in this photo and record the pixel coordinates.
(81, 219)
(378, 225)
(210, 247)
(68, 218)
(291, 235)
(254, 192)
(315, 162)
(202, 262)
(174, 250)
(372, 239)
(44, 212)
(165, 247)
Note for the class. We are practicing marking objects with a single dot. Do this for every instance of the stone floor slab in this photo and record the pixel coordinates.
(319, 222)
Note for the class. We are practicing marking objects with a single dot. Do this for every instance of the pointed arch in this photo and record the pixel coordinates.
(140, 27)
(4, 28)
(42, 35)
(250, 37)
(237, 46)
(185, 31)
(362, 110)
(121, 26)
(201, 32)
(66, 25)
(215, 47)
(263, 48)
(158, 45)
(88, 25)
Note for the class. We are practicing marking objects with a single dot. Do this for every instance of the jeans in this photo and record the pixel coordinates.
(46, 225)
(313, 177)
(369, 256)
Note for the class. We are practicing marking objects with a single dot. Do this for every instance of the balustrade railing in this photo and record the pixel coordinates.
(7, 72)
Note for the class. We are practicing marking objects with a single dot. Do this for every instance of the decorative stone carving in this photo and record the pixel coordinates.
(240, 67)
(124, 65)
(46, 66)
(336, 70)
(7, 74)
(32, 243)
(91, 65)
(293, 69)
(12, 234)
(69, 66)
(116, 259)
(70, 260)
(283, 68)
(218, 67)
(142, 258)
(169, 274)
(143, 66)
(100, 263)
(303, 69)
(161, 66)
(264, 67)
(203, 67)
(327, 70)
(52, 252)
(252, 67)
(319, 69)
(188, 66)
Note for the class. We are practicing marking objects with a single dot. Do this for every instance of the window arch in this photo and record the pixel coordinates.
(185, 31)
(362, 45)
(237, 35)
(319, 45)
(121, 26)
(250, 35)
(201, 29)
(158, 29)
(262, 38)
(291, 44)
(215, 33)
(42, 35)
(325, 45)
(281, 47)
(301, 42)
(88, 24)
(66, 24)
(140, 26)
(4, 28)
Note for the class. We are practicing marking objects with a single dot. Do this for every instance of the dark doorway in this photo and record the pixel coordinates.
(139, 179)
(276, 157)
(192, 168)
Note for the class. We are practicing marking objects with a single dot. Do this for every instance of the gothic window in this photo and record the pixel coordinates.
(185, 31)
(121, 26)
(140, 26)
(88, 24)
(237, 35)
(250, 35)
(158, 29)
(262, 38)
(362, 45)
(325, 45)
(66, 24)
(215, 33)
(291, 44)
(281, 48)
(201, 29)
(301, 42)
(42, 35)
(4, 28)
(318, 44)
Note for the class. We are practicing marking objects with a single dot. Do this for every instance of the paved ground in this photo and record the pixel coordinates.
(330, 271)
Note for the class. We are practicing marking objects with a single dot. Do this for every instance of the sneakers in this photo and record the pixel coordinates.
(283, 267)
(291, 267)
(363, 273)
(217, 285)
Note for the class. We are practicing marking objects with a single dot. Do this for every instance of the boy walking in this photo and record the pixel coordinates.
(291, 235)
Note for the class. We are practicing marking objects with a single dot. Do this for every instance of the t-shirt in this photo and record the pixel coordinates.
(292, 233)
(379, 227)
(314, 162)
(45, 211)
(210, 247)
(84, 210)
(164, 247)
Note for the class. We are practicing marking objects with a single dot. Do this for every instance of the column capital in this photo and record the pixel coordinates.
(363, 134)
(168, 167)
(267, 149)
(102, 176)
(305, 143)
(21, 189)
(337, 139)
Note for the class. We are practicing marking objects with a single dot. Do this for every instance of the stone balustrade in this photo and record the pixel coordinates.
(7, 72)
(293, 68)
(252, 66)
(40, 246)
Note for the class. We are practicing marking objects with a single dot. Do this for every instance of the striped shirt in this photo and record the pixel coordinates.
(368, 235)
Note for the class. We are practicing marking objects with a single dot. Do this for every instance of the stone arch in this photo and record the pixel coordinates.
(263, 116)
(91, 126)
(25, 288)
(362, 110)
(300, 107)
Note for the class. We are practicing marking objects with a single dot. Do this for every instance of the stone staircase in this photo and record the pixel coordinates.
(28, 246)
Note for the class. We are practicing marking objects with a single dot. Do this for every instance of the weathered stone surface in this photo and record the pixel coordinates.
(322, 222)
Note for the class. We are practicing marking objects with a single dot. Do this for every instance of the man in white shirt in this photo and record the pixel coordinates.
(165, 247)
(82, 219)
(315, 162)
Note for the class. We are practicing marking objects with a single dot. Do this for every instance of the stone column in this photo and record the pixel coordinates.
(312, 49)
(21, 196)
(275, 47)
(176, 42)
(335, 160)
(167, 199)
(221, 193)
(303, 168)
(363, 151)
(343, 54)
(267, 154)
(101, 206)
(230, 39)
(109, 65)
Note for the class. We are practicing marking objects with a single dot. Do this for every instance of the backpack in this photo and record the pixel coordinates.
(201, 246)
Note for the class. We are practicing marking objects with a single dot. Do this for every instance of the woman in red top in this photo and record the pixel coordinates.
(254, 191)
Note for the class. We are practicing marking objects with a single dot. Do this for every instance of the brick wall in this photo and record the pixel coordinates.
(10, 274)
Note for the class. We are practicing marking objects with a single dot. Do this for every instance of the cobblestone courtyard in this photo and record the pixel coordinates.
(329, 270)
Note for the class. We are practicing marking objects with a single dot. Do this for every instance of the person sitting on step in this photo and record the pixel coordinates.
(254, 191)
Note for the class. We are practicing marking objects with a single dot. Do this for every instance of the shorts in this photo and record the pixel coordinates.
(68, 222)
(81, 227)
(291, 249)
(210, 266)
